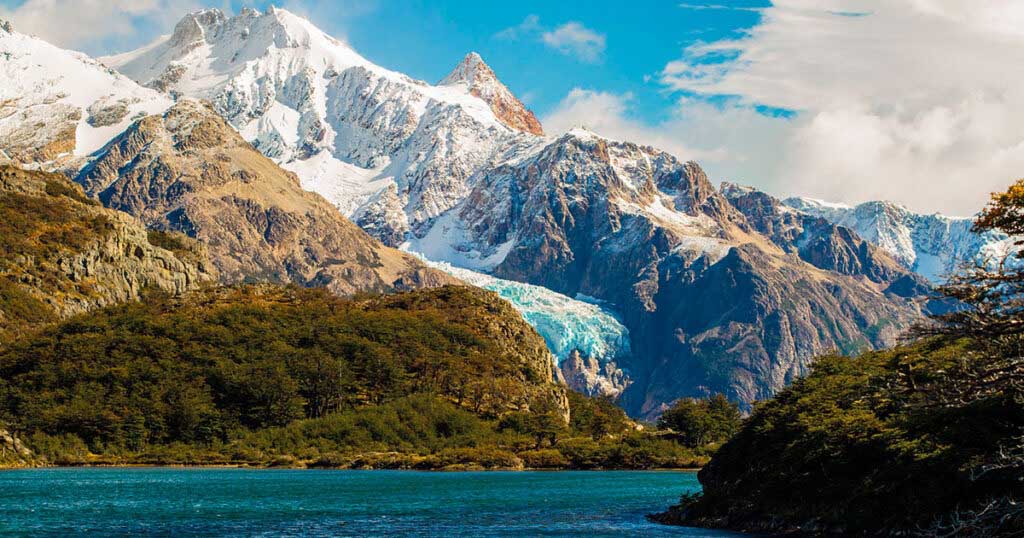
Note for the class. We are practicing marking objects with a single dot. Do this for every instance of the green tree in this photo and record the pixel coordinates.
(702, 422)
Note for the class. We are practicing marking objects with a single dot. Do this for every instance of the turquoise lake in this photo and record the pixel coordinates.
(241, 502)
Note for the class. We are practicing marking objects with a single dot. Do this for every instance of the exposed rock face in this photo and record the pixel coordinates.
(712, 302)
(383, 218)
(57, 106)
(816, 240)
(481, 81)
(13, 453)
(65, 254)
(590, 376)
(188, 171)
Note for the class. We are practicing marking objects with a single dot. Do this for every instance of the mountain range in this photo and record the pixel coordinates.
(710, 289)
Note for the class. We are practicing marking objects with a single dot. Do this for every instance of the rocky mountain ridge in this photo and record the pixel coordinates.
(933, 246)
(323, 111)
(188, 171)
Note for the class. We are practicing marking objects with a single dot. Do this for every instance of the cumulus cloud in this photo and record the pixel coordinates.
(571, 38)
(97, 26)
(917, 101)
(574, 39)
(723, 140)
(913, 100)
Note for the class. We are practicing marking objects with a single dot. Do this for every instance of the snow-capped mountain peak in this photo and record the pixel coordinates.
(58, 106)
(317, 107)
(479, 80)
(933, 246)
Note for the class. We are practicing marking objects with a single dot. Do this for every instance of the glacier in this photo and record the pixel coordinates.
(567, 324)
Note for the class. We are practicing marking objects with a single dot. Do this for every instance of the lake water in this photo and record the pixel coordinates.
(240, 502)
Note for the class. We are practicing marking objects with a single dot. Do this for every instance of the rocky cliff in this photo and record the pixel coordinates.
(14, 453)
(62, 253)
(187, 170)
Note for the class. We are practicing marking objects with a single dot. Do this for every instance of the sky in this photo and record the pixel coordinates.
(915, 101)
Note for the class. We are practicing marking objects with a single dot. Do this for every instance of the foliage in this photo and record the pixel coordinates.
(263, 375)
(863, 444)
(702, 422)
(924, 439)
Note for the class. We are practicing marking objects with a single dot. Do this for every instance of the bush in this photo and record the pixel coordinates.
(544, 459)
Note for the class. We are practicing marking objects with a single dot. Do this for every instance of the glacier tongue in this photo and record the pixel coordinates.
(571, 327)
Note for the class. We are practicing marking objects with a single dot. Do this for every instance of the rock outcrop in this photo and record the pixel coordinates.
(187, 170)
(14, 453)
(63, 254)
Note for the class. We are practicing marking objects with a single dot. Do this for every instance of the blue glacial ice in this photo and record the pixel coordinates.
(566, 324)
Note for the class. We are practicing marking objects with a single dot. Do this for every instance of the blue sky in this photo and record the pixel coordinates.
(426, 39)
(916, 101)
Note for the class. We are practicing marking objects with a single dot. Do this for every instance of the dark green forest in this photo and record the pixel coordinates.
(926, 439)
(267, 375)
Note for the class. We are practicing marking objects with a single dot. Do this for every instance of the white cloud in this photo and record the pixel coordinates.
(574, 39)
(919, 101)
(571, 38)
(97, 26)
(696, 130)
(530, 25)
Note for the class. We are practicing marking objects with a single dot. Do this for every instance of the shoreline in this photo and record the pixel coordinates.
(459, 469)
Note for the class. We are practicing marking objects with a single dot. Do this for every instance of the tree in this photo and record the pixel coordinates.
(989, 296)
(702, 422)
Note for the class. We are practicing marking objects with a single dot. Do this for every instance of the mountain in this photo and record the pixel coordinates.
(62, 254)
(186, 170)
(480, 81)
(933, 246)
(57, 106)
(817, 240)
(712, 302)
(349, 128)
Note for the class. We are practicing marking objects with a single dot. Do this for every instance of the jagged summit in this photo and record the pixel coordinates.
(480, 80)
(471, 67)
(317, 107)
(5, 25)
